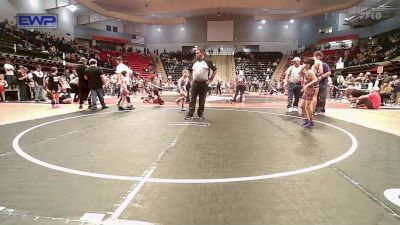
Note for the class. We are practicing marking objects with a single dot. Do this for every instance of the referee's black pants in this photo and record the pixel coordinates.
(199, 88)
(83, 93)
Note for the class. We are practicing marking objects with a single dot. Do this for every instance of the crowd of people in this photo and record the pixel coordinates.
(35, 85)
(349, 86)
(378, 49)
(311, 80)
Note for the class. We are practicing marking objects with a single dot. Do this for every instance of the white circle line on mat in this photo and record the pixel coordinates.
(22, 153)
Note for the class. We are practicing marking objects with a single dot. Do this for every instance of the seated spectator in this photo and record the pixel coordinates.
(386, 91)
(357, 83)
(371, 100)
(396, 87)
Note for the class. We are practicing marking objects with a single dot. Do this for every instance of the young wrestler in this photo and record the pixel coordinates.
(182, 82)
(3, 85)
(306, 103)
(53, 85)
(125, 80)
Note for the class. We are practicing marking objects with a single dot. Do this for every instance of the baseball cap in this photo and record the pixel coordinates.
(296, 59)
(92, 61)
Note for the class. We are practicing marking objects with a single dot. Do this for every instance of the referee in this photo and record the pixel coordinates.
(201, 79)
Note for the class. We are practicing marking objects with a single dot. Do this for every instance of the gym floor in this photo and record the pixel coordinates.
(246, 163)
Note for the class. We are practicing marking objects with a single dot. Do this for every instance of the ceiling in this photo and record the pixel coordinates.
(176, 11)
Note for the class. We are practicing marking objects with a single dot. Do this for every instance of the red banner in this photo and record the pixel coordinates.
(339, 38)
(110, 39)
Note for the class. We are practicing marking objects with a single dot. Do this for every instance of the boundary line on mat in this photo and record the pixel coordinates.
(28, 157)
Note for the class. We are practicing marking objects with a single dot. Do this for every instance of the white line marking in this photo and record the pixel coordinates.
(199, 124)
(365, 191)
(95, 218)
(115, 215)
(130, 197)
(5, 153)
(128, 222)
(348, 153)
(188, 122)
(393, 195)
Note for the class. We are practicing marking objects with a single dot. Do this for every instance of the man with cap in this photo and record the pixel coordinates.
(292, 81)
(96, 79)
(83, 88)
(371, 100)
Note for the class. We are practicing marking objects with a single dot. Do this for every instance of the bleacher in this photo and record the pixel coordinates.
(8, 40)
(391, 67)
(175, 62)
(257, 64)
(137, 62)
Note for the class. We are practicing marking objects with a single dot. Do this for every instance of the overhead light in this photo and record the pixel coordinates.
(182, 28)
(263, 21)
(158, 29)
(72, 8)
(259, 27)
(291, 20)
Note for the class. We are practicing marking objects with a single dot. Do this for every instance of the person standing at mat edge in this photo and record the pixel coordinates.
(293, 84)
(201, 79)
(96, 79)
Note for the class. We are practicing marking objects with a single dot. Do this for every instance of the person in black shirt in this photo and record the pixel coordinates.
(96, 79)
(219, 84)
(83, 88)
(22, 75)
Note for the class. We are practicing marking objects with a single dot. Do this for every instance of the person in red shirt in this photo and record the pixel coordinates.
(371, 100)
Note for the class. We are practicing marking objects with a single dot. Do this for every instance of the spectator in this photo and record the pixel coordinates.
(396, 87)
(22, 75)
(385, 91)
(38, 79)
(3, 85)
(10, 72)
